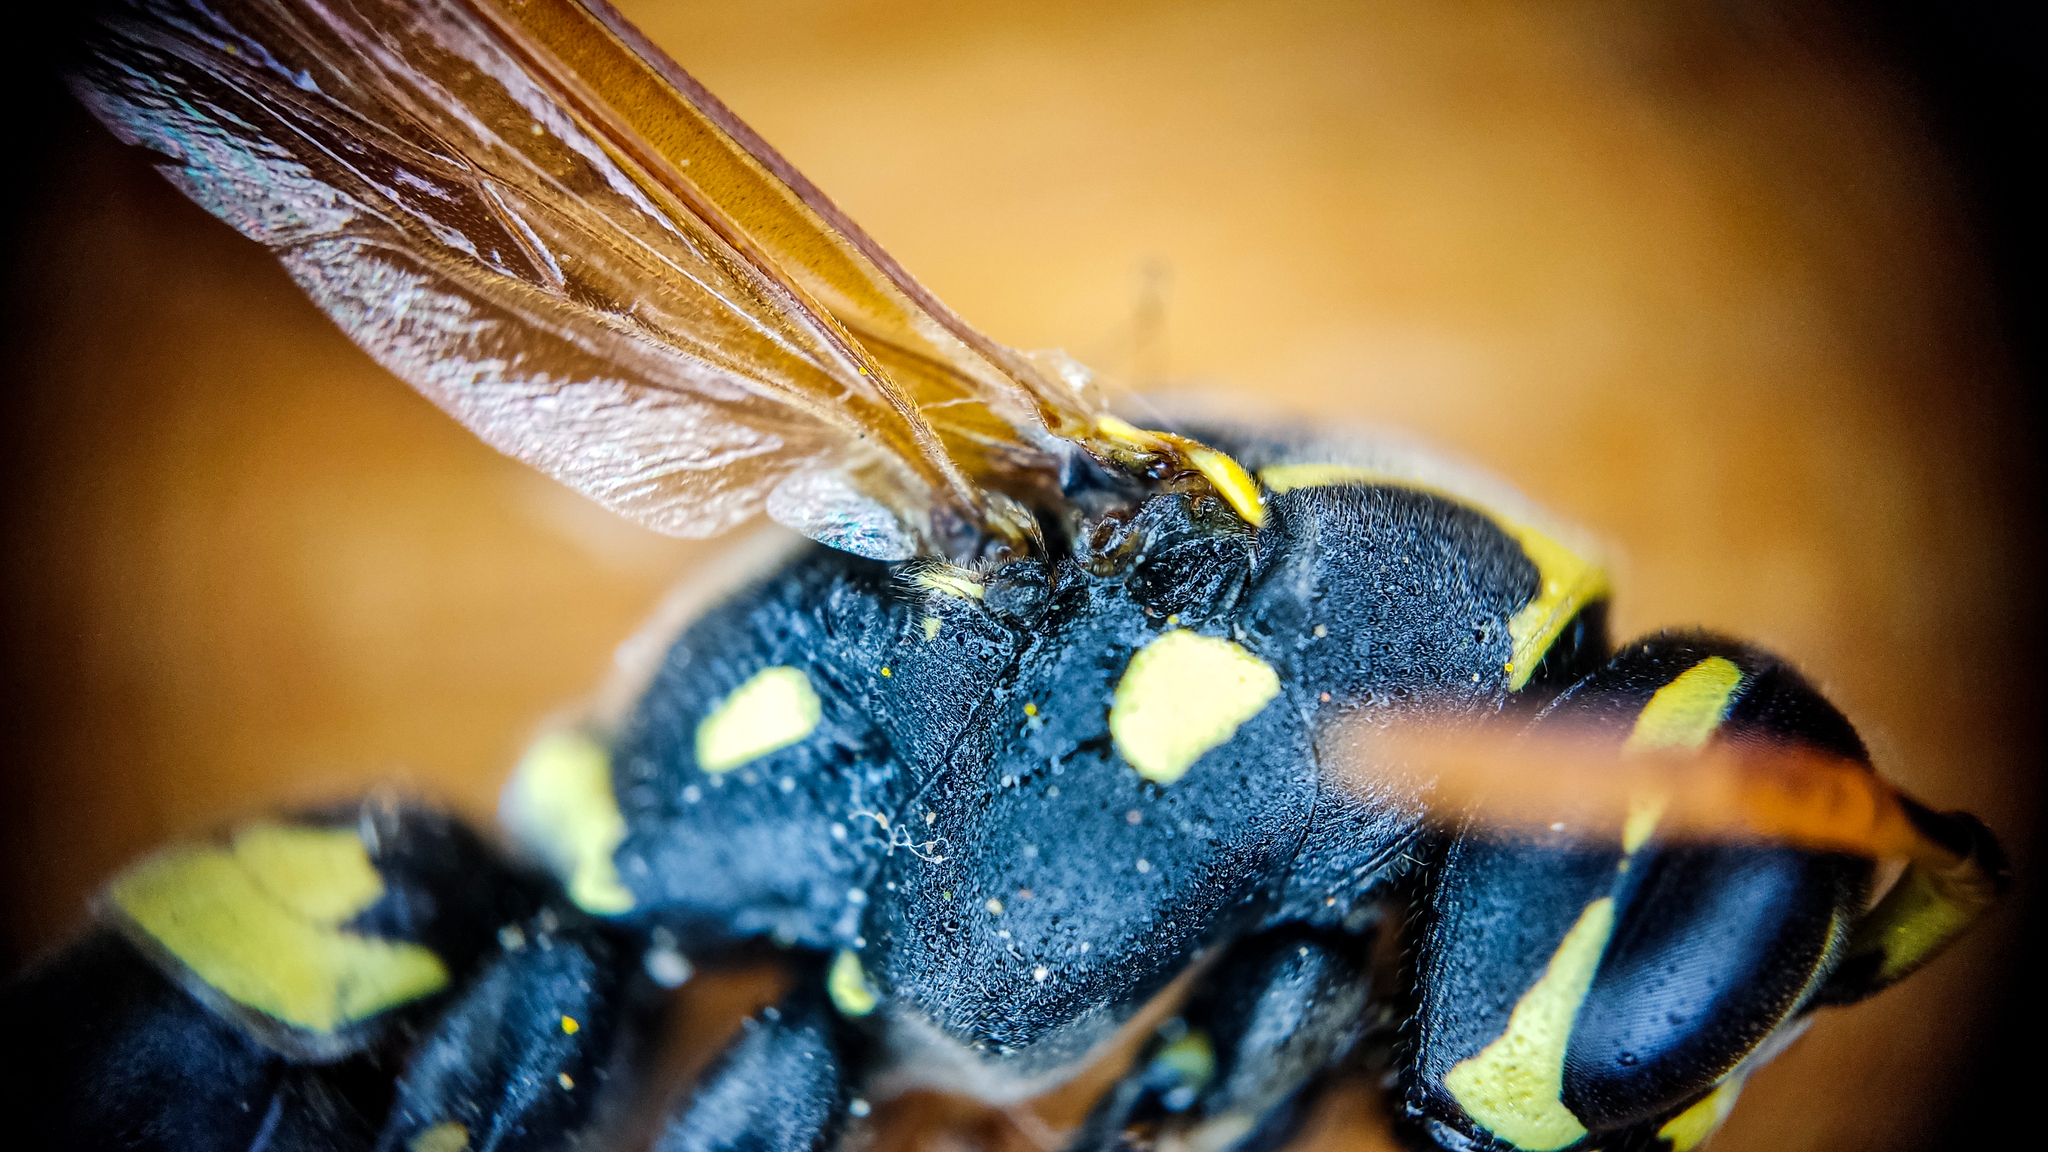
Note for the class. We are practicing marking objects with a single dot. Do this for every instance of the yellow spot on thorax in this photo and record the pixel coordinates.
(561, 803)
(1030, 709)
(447, 1136)
(1690, 1128)
(1565, 581)
(569, 1026)
(1183, 695)
(772, 710)
(1513, 1086)
(886, 671)
(847, 985)
(260, 923)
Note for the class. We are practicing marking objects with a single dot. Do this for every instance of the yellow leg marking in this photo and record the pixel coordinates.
(1566, 581)
(1690, 1128)
(562, 804)
(260, 923)
(847, 985)
(771, 711)
(1183, 695)
(447, 1136)
(1513, 1086)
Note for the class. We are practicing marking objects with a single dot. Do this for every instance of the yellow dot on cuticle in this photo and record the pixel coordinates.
(886, 672)
(570, 1026)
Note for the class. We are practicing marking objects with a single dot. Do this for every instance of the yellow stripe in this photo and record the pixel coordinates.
(1566, 581)
(1514, 1086)
(1685, 713)
(1222, 472)
(260, 924)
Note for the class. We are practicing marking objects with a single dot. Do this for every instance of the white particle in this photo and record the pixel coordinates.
(1040, 973)
(1321, 631)
(856, 896)
(994, 906)
(692, 794)
(1134, 817)
(1053, 792)
(839, 831)
(1003, 934)
(667, 967)
(1144, 865)
(1031, 851)
(858, 1107)
(1084, 945)
(788, 785)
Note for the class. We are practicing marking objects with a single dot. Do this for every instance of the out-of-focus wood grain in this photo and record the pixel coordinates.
(1690, 275)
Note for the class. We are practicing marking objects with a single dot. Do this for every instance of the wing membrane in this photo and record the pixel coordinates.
(499, 215)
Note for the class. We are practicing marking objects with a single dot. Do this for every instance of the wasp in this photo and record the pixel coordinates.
(1062, 713)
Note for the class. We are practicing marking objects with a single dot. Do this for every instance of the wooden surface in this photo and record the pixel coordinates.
(1693, 280)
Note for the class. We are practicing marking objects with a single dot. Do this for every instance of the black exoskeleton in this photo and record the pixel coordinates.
(1000, 811)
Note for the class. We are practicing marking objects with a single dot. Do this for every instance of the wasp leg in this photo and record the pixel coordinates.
(780, 1087)
(1239, 1068)
(525, 1055)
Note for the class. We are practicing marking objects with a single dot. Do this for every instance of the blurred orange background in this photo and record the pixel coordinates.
(1693, 276)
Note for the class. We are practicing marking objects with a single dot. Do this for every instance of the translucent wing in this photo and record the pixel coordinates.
(551, 232)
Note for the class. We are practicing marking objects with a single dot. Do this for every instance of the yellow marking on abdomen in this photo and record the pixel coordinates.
(1514, 1086)
(775, 708)
(1183, 695)
(260, 923)
(1682, 715)
(1690, 1128)
(1565, 581)
(1685, 713)
(561, 803)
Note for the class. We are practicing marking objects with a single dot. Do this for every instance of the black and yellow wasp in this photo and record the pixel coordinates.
(1060, 713)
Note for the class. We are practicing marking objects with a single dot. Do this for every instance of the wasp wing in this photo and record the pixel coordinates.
(503, 219)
